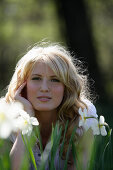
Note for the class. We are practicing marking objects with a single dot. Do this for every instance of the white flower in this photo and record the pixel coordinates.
(25, 122)
(91, 108)
(95, 127)
(98, 127)
(8, 113)
(5, 125)
(14, 118)
(15, 109)
(89, 119)
(102, 127)
(83, 119)
(91, 112)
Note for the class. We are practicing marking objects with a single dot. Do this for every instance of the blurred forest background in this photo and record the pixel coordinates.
(84, 26)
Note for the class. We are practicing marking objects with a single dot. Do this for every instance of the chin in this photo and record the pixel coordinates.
(43, 109)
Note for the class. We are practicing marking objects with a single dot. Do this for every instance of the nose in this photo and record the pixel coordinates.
(44, 86)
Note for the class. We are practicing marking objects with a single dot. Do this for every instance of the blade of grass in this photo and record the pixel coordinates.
(28, 147)
(74, 153)
(107, 151)
(56, 140)
(31, 153)
(37, 133)
(62, 145)
(4, 155)
(70, 143)
(92, 162)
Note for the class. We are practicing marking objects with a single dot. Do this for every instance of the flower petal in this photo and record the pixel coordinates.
(86, 126)
(80, 111)
(95, 130)
(91, 108)
(80, 123)
(101, 120)
(103, 131)
(34, 121)
(95, 127)
(85, 112)
(24, 114)
(5, 130)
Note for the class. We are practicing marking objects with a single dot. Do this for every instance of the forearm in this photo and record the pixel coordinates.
(17, 152)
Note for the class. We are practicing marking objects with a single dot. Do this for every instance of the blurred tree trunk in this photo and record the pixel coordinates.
(76, 29)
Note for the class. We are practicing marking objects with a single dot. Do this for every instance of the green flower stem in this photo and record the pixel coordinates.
(28, 147)
(90, 117)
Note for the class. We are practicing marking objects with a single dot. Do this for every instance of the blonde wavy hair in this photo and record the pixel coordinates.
(68, 71)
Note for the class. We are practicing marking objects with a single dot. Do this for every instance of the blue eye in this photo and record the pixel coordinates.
(55, 80)
(36, 78)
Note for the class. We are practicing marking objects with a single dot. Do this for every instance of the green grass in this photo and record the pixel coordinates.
(100, 159)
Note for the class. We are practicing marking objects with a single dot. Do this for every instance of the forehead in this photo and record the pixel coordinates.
(42, 69)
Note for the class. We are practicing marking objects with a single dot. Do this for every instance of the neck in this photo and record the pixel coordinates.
(46, 119)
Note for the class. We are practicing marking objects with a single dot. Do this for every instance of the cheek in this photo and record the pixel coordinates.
(31, 89)
(59, 92)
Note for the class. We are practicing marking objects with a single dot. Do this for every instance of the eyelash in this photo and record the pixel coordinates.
(55, 80)
(36, 78)
(52, 80)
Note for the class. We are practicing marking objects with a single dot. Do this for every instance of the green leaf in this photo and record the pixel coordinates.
(62, 144)
(28, 147)
(69, 147)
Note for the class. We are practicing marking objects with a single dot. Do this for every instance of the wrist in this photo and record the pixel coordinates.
(31, 112)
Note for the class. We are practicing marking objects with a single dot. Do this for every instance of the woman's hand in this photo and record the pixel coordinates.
(27, 105)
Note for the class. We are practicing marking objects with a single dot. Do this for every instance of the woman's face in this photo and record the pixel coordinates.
(44, 90)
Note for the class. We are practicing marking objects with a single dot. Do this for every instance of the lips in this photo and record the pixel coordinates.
(44, 98)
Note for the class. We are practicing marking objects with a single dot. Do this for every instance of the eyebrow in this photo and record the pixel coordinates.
(41, 75)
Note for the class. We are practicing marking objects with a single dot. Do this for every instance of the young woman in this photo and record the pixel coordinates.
(51, 86)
